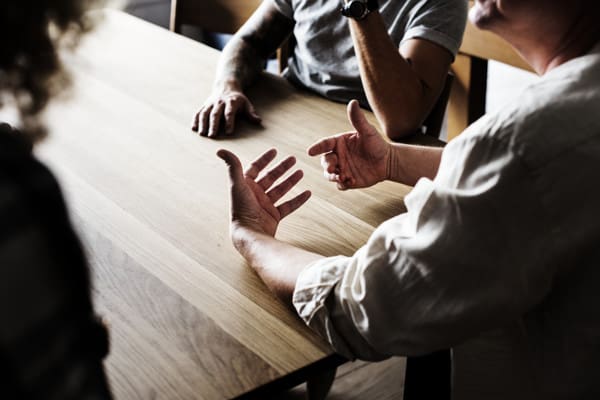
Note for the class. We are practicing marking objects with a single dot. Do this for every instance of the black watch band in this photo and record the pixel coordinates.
(359, 9)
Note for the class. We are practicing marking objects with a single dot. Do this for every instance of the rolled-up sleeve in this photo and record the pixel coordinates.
(452, 266)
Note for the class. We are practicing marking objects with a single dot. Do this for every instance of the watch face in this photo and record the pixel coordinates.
(357, 9)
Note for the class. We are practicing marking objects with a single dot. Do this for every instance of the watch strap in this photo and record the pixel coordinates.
(365, 8)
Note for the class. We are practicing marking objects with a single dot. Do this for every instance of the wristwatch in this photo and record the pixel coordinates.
(359, 9)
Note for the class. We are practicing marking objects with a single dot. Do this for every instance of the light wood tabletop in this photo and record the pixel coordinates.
(188, 318)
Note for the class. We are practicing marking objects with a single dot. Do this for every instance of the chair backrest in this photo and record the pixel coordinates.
(435, 119)
(224, 16)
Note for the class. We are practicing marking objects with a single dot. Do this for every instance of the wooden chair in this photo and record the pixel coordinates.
(467, 98)
(435, 119)
(224, 16)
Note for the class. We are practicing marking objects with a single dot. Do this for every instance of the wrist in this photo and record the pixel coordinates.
(358, 9)
(394, 163)
(243, 238)
(228, 85)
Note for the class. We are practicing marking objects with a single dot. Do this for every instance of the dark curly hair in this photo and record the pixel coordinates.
(31, 32)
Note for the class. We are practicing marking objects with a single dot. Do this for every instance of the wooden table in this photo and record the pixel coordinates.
(189, 319)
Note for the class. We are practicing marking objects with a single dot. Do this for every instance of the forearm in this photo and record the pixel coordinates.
(277, 263)
(395, 92)
(244, 56)
(408, 163)
(239, 65)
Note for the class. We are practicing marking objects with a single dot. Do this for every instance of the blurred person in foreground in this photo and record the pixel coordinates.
(497, 255)
(51, 343)
(391, 55)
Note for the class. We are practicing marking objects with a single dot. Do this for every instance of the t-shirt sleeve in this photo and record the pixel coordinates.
(440, 22)
(284, 6)
(449, 268)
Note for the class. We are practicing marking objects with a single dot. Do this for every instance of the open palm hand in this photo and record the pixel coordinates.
(253, 200)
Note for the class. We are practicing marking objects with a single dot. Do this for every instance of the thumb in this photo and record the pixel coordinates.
(233, 163)
(358, 120)
(251, 113)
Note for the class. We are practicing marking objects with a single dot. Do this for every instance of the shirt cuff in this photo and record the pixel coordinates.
(315, 284)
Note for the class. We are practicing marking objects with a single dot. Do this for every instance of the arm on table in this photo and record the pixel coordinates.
(435, 276)
(255, 218)
(366, 158)
(241, 62)
(402, 85)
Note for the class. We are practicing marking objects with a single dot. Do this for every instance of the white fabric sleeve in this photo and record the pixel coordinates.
(467, 255)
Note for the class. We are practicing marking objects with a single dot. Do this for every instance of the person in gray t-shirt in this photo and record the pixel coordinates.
(394, 59)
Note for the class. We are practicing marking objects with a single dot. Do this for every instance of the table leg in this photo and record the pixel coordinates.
(429, 376)
(318, 386)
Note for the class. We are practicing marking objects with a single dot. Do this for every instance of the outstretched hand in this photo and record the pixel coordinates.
(253, 200)
(354, 159)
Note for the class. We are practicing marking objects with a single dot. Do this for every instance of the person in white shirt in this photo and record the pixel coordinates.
(497, 255)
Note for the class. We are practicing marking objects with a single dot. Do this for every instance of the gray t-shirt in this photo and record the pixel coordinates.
(324, 60)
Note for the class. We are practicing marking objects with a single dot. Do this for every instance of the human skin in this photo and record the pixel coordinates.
(255, 218)
(368, 159)
(401, 84)
(241, 62)
(545, 33)
(362, 158)
(359, 159)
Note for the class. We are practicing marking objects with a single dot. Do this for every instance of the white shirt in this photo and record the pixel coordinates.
(498, 257)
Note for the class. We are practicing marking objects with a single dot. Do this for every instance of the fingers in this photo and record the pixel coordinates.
(322, 146)
(223, 110)
(251, 113)
(203, 120)
(260, 163)
(292, 205)
(277, 172)
(236, 175)
(342, 161)
(196, 122)
(358, 120)
(229, 115)
(215, 119)
(234, 164)
(281, 190)
(342, 184)
(330, 164)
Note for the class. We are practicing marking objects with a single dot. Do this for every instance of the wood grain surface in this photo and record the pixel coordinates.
(189, 319)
